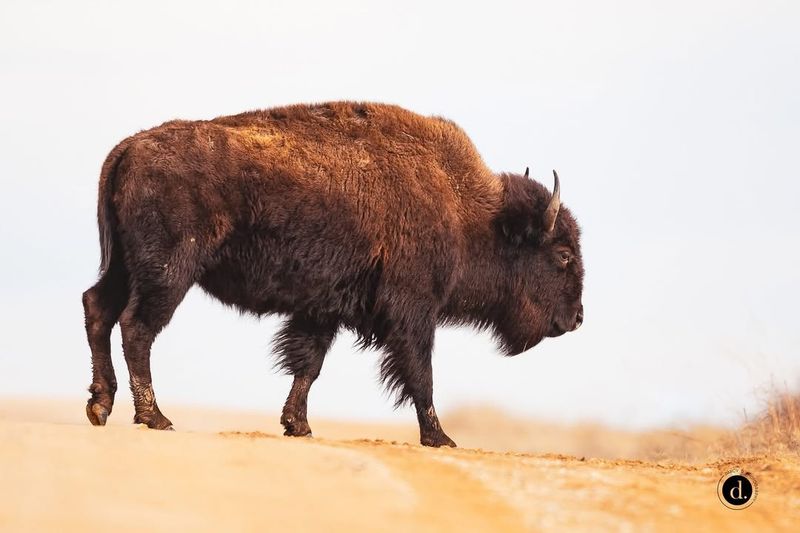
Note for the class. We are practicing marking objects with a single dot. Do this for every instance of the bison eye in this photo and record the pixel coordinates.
(564, 256)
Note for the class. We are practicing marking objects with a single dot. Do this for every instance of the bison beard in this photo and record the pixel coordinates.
(343, 215)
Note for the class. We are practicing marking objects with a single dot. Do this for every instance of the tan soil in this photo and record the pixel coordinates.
(231, 472)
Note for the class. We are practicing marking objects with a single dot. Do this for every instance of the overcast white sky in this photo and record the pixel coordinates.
(675, 127)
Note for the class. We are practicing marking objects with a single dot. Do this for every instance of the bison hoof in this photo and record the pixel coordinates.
(157, 421)
(437, 441)
(291, 432)
(96, 413)
(295, 427)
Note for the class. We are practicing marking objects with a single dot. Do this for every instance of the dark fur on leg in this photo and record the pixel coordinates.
(149, 310)
(102, 305)
(301, 347)
(407, 370)
(137, 338)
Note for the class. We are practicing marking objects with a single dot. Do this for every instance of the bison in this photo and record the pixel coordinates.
(348, 215)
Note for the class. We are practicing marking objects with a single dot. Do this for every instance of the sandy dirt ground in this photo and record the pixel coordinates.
(224, 471)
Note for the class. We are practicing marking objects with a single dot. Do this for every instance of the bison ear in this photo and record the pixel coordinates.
(516, 223)
(517, 230)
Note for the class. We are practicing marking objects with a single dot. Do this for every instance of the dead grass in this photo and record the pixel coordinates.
(776, 430)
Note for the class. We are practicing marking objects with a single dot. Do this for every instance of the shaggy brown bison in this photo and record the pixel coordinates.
(341, 215)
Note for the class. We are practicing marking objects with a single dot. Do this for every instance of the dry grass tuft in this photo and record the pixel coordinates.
(775, 430)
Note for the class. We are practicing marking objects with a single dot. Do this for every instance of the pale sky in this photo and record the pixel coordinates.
(675, 128)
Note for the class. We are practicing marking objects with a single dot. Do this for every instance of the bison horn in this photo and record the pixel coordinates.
(551, 212)
(527, 171)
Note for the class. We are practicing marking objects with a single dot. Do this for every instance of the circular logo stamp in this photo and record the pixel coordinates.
(737, 489)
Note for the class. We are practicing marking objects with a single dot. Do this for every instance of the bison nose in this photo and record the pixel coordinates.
(578, 318)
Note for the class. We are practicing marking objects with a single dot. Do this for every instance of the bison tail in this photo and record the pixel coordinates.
(106, 217)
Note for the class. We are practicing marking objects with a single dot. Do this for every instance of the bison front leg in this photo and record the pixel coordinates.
(407, 368)
(301, 347)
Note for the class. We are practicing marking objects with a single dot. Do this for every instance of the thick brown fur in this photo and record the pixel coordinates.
(340, 215)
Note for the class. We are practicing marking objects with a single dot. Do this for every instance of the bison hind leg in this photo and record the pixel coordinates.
(159, 286)
(143, 318)
(102, 305)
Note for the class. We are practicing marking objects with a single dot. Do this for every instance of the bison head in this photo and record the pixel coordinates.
(538, 244)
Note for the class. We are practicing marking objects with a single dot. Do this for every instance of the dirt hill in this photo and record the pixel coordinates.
(221, 472)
